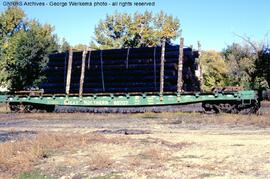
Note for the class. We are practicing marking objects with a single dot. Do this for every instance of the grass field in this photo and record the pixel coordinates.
(149, 145)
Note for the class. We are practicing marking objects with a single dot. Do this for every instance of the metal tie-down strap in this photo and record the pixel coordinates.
(65, 67)
(102, 74)
(155, 68)
(127, 58)
(88, 61)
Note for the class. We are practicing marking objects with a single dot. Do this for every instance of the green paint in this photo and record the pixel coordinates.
(134, 100)
(3, 98)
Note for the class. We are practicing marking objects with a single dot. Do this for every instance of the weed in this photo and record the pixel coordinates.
(21, 156)
(33, 175)
(155, 154)
(98, 160)
(112, 175)
(134, 161)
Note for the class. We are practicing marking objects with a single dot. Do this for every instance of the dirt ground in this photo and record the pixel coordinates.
(148, 145)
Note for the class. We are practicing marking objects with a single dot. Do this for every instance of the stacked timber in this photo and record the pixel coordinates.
(120, 71)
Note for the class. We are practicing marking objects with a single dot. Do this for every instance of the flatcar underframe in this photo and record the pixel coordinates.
(228, 102)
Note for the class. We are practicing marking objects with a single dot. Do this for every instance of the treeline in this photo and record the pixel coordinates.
(246, 65)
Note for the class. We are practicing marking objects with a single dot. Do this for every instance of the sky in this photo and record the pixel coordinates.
(212, 22)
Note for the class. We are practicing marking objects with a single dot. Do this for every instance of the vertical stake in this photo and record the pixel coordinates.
(69, 70)
(102, 73)
(200, 67)
(82, 73)
(162, 67)
(180, 66)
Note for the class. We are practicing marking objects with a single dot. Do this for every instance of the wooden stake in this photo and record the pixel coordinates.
(180, 66)
(82, 72)
(162, 67)
(102, 72)
(69, 70)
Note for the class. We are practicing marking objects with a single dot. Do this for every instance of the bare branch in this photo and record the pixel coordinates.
(247, 39)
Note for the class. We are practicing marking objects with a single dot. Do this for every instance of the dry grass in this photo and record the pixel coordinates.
(165, 143)
(135, 161)
(20, 156)
(159, 155)
(155, 154)
(4, 108)
(60, 116)
(98, 160)
(219, 119)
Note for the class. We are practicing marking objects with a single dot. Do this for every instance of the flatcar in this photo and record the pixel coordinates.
(128, 80)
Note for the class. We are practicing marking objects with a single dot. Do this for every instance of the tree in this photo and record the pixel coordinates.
(122, 30)
(11, 21)
(214, 69)
(80, 47)
(247, 63)
(263, 68)
(24, 53)
(65, 46)
(241, 62)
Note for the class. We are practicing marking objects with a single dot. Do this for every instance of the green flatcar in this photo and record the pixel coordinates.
(222, 100)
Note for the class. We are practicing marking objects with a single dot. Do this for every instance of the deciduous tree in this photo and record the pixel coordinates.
(24, 51)
(214, 69)
(121, 30)
(248, 64)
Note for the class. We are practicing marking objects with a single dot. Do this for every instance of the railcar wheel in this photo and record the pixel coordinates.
(44, 108)
(30, 108)
(219, 107)
(50, 108)
(14, 107)
(208, 108)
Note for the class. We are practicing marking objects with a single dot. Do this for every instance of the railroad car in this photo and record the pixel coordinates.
(129, 80)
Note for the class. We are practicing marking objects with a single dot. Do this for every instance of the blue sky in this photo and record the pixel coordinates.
(212, 22)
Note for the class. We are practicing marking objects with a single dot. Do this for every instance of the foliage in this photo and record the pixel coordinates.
(80, 47)
(241, 62)
(214, 69)
(24, 51)
(247, 65)
(121, 30)
(64, 46)
(11, 21)
(263, 68)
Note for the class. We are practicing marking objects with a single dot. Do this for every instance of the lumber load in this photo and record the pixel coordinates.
(120, 71)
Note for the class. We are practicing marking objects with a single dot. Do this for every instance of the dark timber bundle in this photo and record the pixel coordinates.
(120, 71)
